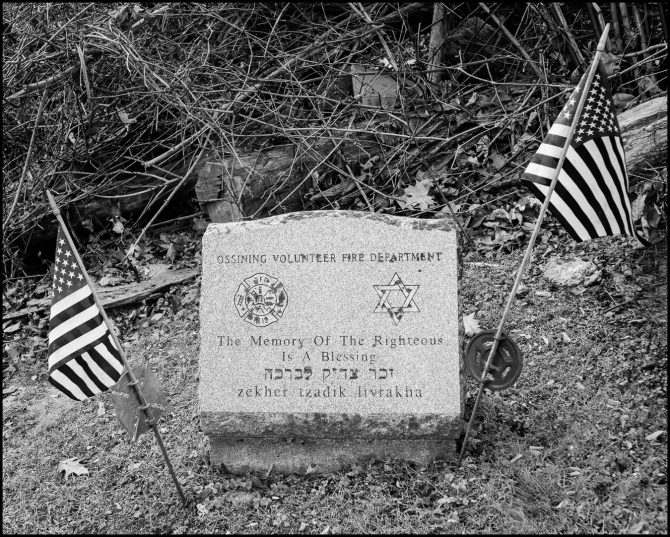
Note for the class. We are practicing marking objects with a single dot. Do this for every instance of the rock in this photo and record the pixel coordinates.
(522, 291)
(569, 271)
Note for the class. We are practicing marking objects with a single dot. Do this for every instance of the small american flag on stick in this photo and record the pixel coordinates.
(591, 196)
(83, 360)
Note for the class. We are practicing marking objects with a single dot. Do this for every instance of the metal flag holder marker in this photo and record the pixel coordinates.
(133, 381)
(499, 337)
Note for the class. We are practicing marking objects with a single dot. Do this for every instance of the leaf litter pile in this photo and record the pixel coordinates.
(321, 108)
(275, 108)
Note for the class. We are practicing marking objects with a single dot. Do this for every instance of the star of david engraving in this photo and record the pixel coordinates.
(407, 291)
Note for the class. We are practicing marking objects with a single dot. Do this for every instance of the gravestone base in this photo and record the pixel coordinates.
(296, 455)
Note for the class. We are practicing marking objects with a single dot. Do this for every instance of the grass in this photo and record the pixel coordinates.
(564, 451)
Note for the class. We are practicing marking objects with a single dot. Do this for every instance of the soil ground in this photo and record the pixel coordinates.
(579, 444)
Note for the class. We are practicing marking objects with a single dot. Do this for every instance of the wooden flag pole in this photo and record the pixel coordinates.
(133, 380)
(531, 243)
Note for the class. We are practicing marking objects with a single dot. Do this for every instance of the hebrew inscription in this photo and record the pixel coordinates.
(339, 366)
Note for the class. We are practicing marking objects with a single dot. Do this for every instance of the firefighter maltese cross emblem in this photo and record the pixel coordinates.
(406, 299)
(261, 299)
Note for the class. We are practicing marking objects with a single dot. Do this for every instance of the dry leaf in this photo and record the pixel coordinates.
(647, 84)
(117, 254)
(654, 436)
(636, 528)
(109, 281)
(71, 466)
(171, 254)
(87, 224)
(482, 149)
(638, 206)
(125, 118)
(9, 391)
(121, 15)
(190, 296)
(115, 329)
(471, 325)
(175, 303)
(621, 99)
(516, 458)
(486, 240)
(135, 250)
(610, 63)
(200, 225)
(418, 195)
(13, 328)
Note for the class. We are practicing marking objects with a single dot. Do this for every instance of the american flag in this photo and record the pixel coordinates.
(83, 360)
(591, 196)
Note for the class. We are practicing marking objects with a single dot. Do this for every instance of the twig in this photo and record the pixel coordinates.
(64, 26)
(307, 176)
(27, 162)
(542, 10)
(636, 66)
(364, 185)
(601, 21)
(437, 37)
(663, 46)
(242, 96)
(664, 23)
(148, 17)
(616, 26)
(556, 9)
(629, 41)
(643, 40)
(513, 40)
(618, 305)
(346, 164)
(595, 23)
(360, 11)
(194, 162)
(195, 215)
(45, 83)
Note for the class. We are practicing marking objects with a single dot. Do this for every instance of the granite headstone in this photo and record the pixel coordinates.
(329, 337)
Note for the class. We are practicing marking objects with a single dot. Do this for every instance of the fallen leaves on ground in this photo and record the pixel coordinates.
(417, 196)
(72, 466)
(471, 324)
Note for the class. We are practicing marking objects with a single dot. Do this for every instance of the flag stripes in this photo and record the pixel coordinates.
(591, 196)
(82, 358)
(90, 373)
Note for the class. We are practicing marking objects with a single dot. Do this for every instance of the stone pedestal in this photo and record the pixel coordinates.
(297, 455)
(330, 337)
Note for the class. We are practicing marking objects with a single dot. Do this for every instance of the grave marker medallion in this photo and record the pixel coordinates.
(330, 336)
